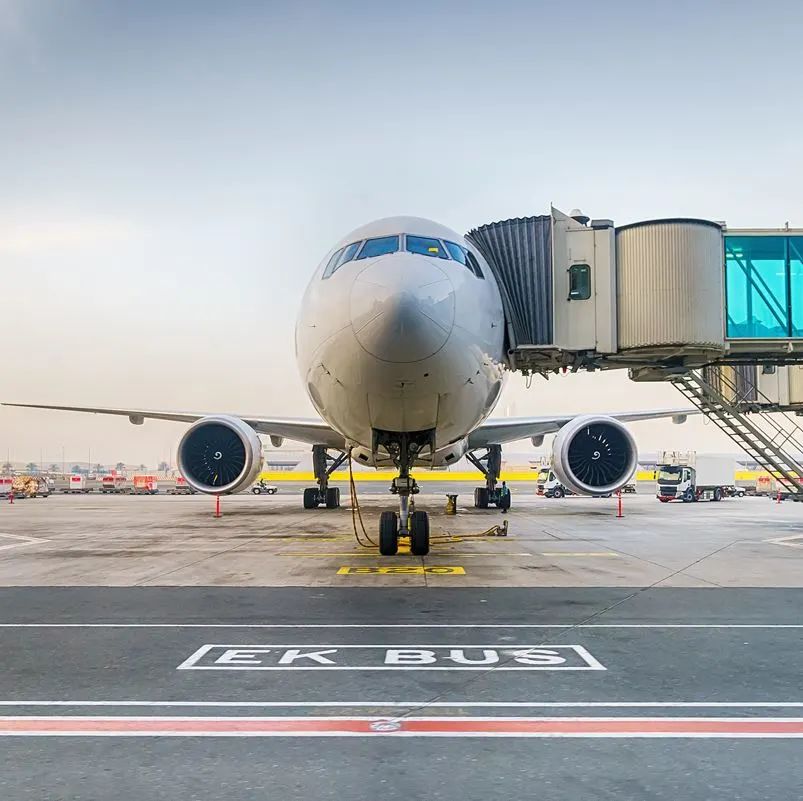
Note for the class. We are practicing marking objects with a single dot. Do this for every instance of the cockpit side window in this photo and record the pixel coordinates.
(348, 255)
(340, 258)
(331, 264)
(474, 265)
(456, 252)
(465, 257)
(381, 246)
(425, 246)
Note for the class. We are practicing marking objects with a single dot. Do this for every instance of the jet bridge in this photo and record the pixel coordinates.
(660, 297)
(716, 311)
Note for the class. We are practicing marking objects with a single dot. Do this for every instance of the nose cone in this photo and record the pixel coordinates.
(402, 308)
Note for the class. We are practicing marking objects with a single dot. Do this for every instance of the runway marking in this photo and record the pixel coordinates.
(403, 570)
(336, 726)
(453, 657)
(567, 624)
(419, 704)
(20, 541)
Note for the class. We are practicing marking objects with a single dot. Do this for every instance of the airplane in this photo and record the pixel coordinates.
(399, 342)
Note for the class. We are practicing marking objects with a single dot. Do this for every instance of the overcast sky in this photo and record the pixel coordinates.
(172, 172)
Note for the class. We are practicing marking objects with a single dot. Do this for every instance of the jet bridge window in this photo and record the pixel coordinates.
(381, 246)
(579, 282)
(425, 246)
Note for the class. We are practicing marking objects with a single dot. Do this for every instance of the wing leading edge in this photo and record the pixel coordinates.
(308, 430)
(500, 431)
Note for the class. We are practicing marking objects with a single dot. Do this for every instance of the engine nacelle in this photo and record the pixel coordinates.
(219, 455)
(594, 455)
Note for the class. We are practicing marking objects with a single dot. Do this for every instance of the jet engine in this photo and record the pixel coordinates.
(594, 455)
(220, 454)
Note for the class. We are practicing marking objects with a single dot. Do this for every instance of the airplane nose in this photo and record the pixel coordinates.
(402, 309)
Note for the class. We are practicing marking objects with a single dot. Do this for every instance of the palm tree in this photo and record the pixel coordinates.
(32, 467)
(163, 467)
(54, 468)
(98, 469)
(7, 468)
(143, 467)
(76, 468)
(120, 466)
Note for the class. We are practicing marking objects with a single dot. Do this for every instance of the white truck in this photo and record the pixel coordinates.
(690, 476)
(548, 484)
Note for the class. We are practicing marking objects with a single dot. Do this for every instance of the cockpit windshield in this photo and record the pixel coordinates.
(426, 246)
(381, 246)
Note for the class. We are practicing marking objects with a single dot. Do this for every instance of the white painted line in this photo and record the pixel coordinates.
(795, 541)
(20, 541)
(536, 626)
(418, 704)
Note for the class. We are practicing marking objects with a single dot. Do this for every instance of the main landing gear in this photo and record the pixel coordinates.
(411, 522)
(323, 465)
(490, 465)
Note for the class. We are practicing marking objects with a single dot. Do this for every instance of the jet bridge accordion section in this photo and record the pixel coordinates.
(660, 296)
(520, 255)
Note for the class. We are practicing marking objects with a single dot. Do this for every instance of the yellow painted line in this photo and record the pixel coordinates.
(403, 570)
(275, 476)
(372, 554)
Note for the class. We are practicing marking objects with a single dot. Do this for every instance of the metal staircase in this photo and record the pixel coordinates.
(770, 439)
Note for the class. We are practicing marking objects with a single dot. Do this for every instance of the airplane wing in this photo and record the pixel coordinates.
(500, 431)
(311, 431)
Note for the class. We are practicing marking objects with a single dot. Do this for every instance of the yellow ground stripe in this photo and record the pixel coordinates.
(276, 476)
(404, 570)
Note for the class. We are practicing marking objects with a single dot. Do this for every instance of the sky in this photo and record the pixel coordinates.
(171, 173)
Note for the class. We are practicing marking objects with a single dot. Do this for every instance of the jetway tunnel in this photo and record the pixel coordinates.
(659, 296)
(717, 312)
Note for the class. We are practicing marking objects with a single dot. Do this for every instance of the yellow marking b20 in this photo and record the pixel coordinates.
(403, 570)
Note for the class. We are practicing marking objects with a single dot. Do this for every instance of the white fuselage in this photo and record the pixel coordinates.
(403, 341)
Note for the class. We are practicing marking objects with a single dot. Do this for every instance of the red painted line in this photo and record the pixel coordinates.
(309, 726)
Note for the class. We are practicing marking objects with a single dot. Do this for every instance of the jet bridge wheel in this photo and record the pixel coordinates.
(388, 534)
(419, 534)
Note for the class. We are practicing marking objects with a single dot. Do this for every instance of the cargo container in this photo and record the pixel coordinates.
(77, 483)
(146, 485)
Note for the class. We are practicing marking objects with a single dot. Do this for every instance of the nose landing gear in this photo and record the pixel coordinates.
(409, 522)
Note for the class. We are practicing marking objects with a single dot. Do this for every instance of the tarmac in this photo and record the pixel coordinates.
(151, 649)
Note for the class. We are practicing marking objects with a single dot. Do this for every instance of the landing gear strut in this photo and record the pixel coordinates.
(403, 449)
(323, 465)
(490, 465)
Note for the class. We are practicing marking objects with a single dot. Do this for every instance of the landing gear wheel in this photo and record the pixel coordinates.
(419, 534)
(558, 493)
(311, 498)
(333, 498)
(504, 503)
(481, 497)
(717, 494)
(388, 534)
